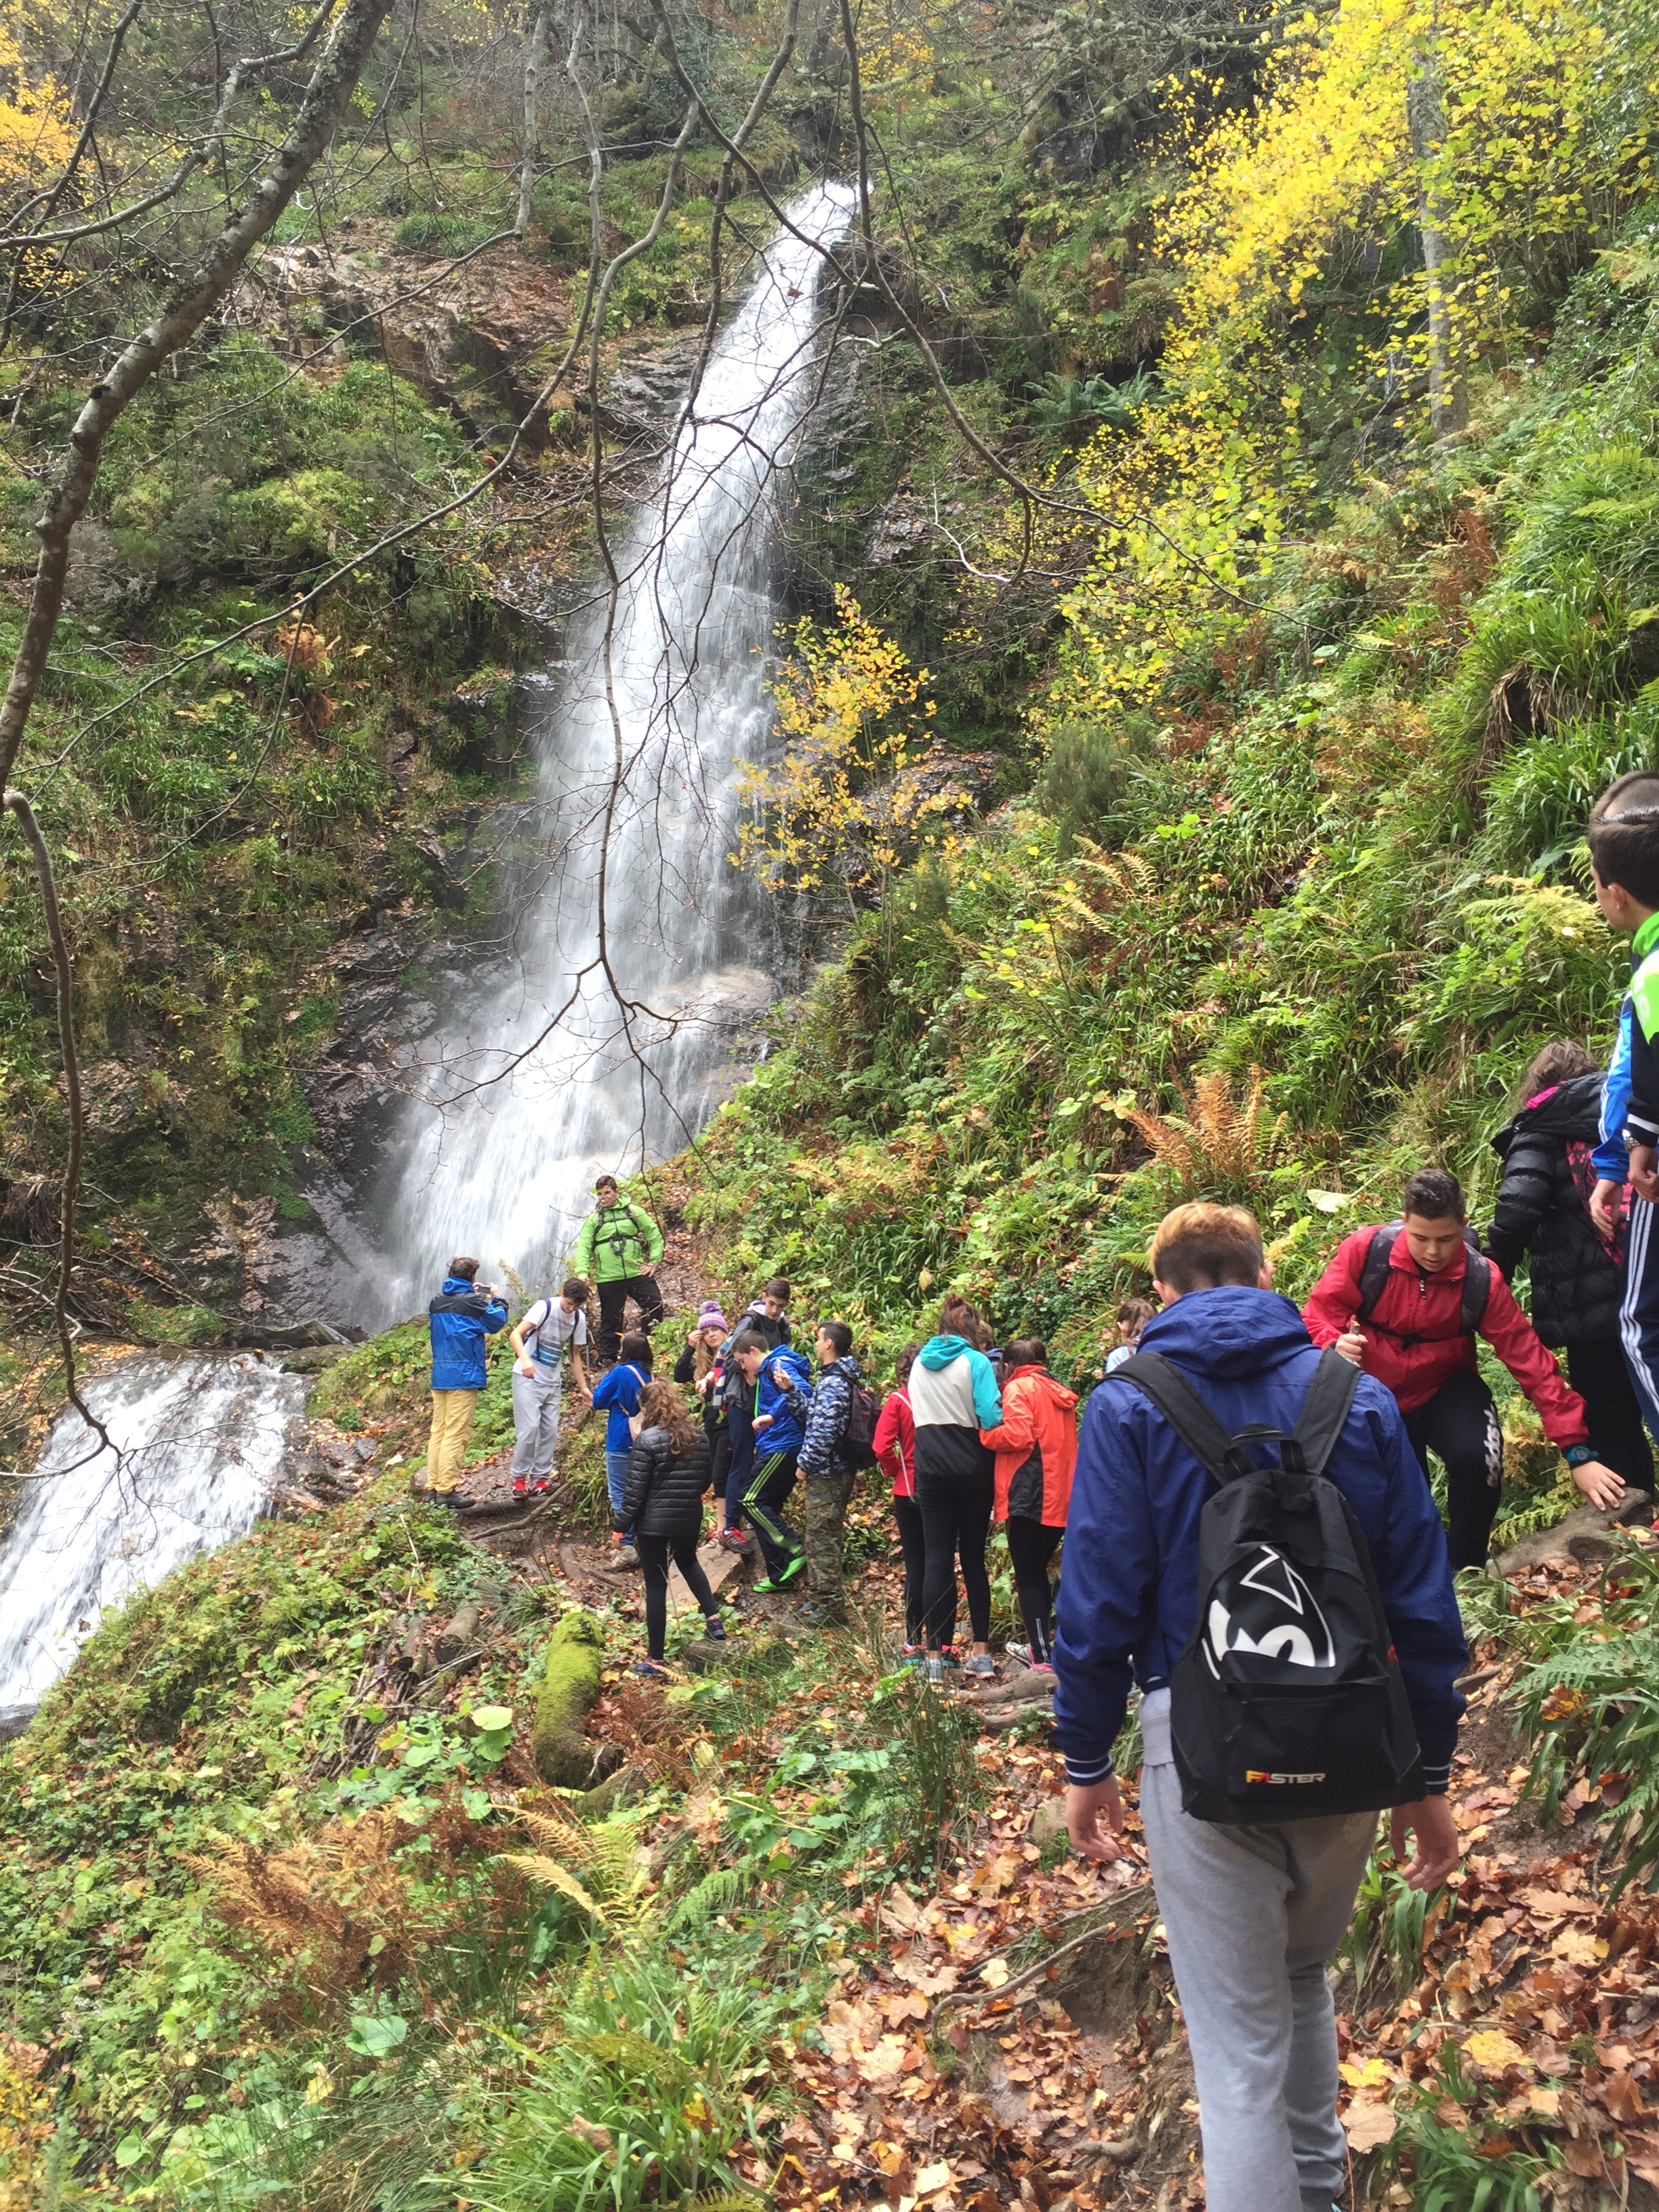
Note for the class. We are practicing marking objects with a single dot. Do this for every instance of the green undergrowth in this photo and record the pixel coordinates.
(280, 1914)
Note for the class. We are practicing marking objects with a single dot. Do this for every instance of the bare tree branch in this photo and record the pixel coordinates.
(192, 300)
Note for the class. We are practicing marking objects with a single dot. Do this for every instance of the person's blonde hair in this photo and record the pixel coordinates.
(1197, 1247)
(661, 1406)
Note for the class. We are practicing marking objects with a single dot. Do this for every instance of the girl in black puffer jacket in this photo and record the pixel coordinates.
(1577, 1282)
(669, 1468)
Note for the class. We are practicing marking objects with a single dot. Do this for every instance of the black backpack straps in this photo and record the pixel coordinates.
(1477, 1292)
(1326, 1407)
(1181, 1406)
(1373, 1270)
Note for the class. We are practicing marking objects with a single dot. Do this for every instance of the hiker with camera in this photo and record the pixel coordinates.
(1405, 1302)
(1282, 1594)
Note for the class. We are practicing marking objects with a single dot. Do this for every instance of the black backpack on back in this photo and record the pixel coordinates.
(858, 1438)
(1287, 1702)
(1374, 1280)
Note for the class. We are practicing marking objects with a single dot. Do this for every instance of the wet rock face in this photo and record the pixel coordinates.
(470, 336)
(321, 1467)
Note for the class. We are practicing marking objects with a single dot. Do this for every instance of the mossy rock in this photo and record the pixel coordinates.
(563, 1753)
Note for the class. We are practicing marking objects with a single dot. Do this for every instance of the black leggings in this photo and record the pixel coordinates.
(956, 1517)
(1031, 1544)
(654, 1553)
(907, 1514)
(1459, 1426)
(1598, 1373)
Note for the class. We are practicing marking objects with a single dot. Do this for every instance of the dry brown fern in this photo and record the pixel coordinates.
(1221, 1147)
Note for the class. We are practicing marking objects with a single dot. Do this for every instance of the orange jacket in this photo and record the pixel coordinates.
(1036, 1447)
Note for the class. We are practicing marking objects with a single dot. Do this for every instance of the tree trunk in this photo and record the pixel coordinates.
(1426, 119)
(188, 306)
(532, 73)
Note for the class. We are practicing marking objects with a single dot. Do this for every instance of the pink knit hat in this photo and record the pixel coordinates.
(711, 1316)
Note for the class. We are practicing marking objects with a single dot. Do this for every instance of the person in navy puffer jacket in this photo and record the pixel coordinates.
(1251, 1913)
(461, 1316)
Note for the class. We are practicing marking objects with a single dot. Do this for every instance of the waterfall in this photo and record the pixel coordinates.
(199, 1438)
(542, 1081)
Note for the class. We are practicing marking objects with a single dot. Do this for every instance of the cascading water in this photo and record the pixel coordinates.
(543, 1081)
(197, 1440)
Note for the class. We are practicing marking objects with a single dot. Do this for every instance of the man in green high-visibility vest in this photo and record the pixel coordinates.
(619, 1245)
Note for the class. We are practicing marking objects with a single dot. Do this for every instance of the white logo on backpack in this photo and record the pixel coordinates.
(1280, 1621)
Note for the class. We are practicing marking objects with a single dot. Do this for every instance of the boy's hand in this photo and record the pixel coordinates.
(527, 1368)
(1429, 1821)
(1352, 1344)
(1645, 1172)
(1604, 1205)
(761, 1421)
(780, 1378)
(1084, 1808)
(1598, 1483)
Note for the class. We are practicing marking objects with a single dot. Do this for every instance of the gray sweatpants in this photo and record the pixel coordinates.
(1252, 1915)
(535, 1423)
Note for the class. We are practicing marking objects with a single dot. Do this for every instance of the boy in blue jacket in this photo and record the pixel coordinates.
(779, 1387)
(460, 1317)
(616, 1395)
(1252, 1913)
(1624, 843)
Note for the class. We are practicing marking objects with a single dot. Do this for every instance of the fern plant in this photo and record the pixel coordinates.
(1590, 1701)
(1221, 1148)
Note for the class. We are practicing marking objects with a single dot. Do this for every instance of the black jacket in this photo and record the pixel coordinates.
(1540, 1215)
(663, 1496)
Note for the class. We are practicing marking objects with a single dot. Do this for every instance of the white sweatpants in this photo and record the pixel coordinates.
(1252, 1915)
(535, 1422)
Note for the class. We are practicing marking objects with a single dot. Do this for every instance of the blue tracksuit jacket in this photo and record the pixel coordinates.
(1128, 1589)
(788, 1409)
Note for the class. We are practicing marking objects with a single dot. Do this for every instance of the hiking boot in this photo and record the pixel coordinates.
(650, 1671)
(714, 1629)
(733, 1540)
(453, 1499)
(542, 1485)
(520, 1488)
(821, 1616)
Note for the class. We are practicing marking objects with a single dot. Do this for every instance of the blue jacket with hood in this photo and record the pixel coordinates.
(786, 1432)
(460, 1318)
(1128, 1593)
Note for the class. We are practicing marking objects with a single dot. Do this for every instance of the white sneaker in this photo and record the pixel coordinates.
(1020, 1651)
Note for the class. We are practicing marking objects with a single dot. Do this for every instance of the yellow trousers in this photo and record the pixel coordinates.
(452, 1425)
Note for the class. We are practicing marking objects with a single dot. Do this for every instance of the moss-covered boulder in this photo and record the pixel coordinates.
(563, 1753)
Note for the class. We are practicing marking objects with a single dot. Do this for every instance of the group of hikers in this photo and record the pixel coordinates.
(1293, 1629)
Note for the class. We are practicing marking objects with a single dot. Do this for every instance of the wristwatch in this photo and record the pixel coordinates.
(1578, 1455)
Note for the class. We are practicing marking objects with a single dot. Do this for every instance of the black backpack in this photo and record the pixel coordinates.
(1288, 1701)
(1374, 1280)
(858, 1438)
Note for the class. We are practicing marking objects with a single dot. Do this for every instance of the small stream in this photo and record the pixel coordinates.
(199, 1439)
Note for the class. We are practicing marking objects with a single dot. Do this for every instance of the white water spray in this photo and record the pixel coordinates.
(545, 1081)
(199, 1439)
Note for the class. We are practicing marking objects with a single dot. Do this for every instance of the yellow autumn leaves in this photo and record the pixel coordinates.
(849, 712)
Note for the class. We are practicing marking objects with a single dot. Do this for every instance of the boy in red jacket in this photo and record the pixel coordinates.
(1404, 1302)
